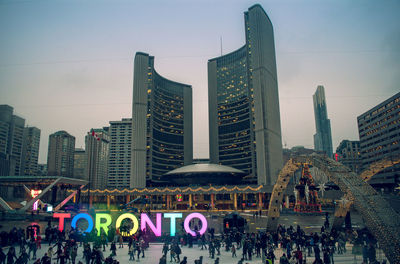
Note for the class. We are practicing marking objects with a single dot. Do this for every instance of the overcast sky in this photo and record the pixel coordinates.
(68, 65)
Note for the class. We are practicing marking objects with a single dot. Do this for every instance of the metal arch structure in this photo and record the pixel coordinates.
(379, 166)
(380, 218)
(346, 202)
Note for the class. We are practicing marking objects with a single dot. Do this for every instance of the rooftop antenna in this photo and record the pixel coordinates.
(221, 45)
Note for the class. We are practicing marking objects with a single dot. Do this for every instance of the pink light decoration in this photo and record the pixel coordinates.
(203, 223)
(144, 219)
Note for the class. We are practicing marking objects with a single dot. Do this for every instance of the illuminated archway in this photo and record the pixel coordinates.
(379, 217)
(345, 203)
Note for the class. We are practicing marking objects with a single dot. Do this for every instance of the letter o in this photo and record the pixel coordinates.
(88, 218)
(203, 225)
(130, 216)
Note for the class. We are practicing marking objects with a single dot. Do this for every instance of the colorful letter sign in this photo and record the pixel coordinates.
(103, 221)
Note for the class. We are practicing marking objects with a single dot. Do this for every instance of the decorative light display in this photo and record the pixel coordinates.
(179, 197)
(35, 193)
(306, 193)
(178, 190)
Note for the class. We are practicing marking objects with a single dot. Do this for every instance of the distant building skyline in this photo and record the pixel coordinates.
(162, 124)
(60, 159)
(323, 135)
(244, 118)
(88, 70)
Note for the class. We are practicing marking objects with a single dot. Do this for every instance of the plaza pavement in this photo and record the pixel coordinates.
(154, 253)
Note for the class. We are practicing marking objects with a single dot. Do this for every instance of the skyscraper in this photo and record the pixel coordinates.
(60, 157)
(80, 164)
(119, 160)
(30, 151)
(11, 141)
(162, 136)
(323, 137)
(97, 150)
(245, 126)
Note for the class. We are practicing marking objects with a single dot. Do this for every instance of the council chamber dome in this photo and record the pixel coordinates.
(204, 174)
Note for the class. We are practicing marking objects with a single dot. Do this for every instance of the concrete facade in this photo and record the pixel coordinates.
(323, 136)
(244, 116)
(30, 151)
(119, 159)
(348, 153)
(379, 131)
(11, 141)
(162, 130)
(60, 157)
(80, 163)
(97, 153)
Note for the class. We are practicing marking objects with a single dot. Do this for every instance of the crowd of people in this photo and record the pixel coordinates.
(297, 246)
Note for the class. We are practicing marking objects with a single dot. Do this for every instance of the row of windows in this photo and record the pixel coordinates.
(370, 117)
(235, 127)
(229, 136)
(165, 137)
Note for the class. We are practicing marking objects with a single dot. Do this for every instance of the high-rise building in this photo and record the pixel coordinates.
(119, 159)
(30, 151)
(348, 153)
(162, 134)
(379, 131)
(11, 141)
(244, 118)
(80, 164)
(60, 156)
(42, 170)
(97, 150)
(323, 137)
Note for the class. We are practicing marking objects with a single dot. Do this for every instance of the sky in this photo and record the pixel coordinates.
(68, 65)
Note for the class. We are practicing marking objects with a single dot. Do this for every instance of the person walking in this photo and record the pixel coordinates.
(132, 252)
(233, 250)
(74, 253)
(2, 256)
(113, 249)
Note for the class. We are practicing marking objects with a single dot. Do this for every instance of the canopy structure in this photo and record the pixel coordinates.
(44, 182)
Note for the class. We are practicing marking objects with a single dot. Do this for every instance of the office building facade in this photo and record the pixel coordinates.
(162, 133)
(349, 154)
(119, 161)
(323, 135)
(11, 141)
(244, 117)
(60, 157)
(97, 151)
(30, 151)
(80, 164)
(379, 131)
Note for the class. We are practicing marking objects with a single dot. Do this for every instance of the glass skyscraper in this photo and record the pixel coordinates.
(245, 128)
(323, 137)
(162, 133)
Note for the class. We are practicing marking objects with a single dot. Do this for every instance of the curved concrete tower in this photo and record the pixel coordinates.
(245, 127)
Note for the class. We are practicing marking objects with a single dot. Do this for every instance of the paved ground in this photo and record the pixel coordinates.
(153, 254)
